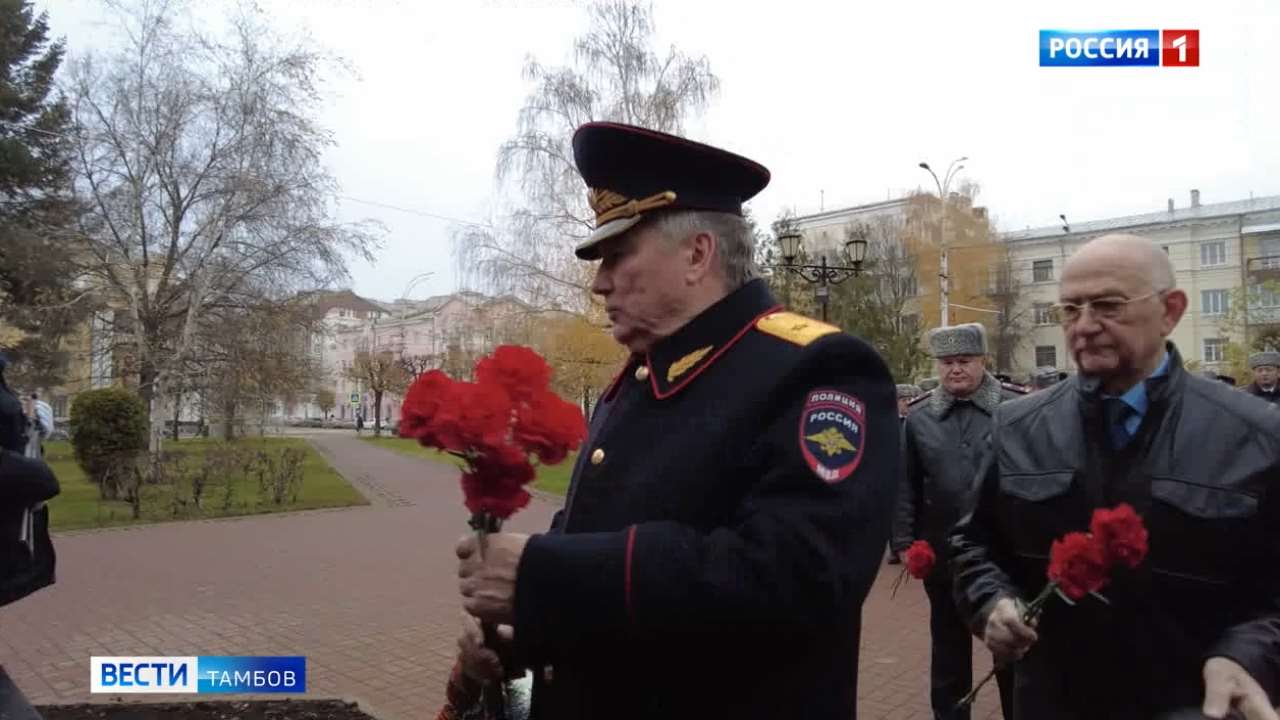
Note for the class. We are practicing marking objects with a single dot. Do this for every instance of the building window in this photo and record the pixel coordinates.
(1263, 296)
(1269, 251)
(1165, 248)
(1042, 271)
(1213, 253)
(1046, 356)
(1215, 350)
(910, 286)
(909, 325)
(1214, 302)
(1043, 313)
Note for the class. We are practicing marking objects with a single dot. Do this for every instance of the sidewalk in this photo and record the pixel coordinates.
(368, 594)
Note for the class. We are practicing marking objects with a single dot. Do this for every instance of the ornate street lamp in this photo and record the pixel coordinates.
(823, 274)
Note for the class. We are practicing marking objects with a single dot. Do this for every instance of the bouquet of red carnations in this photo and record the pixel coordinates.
(498, 425)
(1081, 563)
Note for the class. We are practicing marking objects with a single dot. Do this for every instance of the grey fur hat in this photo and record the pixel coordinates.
(908, 391)
(967, 339)
(928, 384)
(1269, 357)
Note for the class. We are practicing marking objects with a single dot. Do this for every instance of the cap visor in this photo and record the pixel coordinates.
(589, 250)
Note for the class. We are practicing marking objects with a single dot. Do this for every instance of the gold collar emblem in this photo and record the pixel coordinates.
(682, 365)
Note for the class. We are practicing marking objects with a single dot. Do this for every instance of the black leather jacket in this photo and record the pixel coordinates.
(943, 442)
(1203, 472)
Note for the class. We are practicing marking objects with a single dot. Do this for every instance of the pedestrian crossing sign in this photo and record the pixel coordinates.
(355, 398)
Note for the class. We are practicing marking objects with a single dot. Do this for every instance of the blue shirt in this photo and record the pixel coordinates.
(1136, 398)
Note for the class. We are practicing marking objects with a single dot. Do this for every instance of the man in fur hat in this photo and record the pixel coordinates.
(944, 437)
(1264, 384)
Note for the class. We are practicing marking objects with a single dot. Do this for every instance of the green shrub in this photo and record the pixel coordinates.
(108, 432)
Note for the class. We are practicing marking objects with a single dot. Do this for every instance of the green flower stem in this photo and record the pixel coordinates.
(1030, 614)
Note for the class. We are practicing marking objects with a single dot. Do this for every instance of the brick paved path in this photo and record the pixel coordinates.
(367, 594)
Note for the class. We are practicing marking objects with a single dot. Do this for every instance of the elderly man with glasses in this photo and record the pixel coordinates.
(1195, 627)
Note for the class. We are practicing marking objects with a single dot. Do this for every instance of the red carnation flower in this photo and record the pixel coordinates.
(518, 370)
(920, 559)
(479, 416)
(430, 392)
(1078, 565)
(1121, 533)
(549, 427)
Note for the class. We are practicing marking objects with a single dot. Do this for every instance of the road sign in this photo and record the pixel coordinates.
(355, 398)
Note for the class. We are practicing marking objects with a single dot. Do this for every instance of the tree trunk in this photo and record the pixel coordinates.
(229, 421)
(377, 413)
(149, 391)
(586, 402)
(177, 413)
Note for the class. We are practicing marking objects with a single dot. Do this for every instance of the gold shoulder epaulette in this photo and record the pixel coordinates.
(794, 328)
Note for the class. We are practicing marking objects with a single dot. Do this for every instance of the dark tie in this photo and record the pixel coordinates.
(1116, 412)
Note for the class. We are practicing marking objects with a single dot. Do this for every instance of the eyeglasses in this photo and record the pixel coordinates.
(1102, 308)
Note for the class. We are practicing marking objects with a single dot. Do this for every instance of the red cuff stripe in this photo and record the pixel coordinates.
(631, 544)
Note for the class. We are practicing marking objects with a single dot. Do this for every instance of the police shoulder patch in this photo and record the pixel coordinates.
(833, 428)
(794, 328)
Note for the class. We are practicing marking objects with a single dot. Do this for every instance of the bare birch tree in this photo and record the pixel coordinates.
(615, 75)
(1010, 326)
(199, 162)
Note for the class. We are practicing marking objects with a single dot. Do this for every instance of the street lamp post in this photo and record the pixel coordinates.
(823, 274)
(944, 280)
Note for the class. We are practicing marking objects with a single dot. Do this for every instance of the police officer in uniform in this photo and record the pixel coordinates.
(1264, 383)
(729, 510)
(943, 439)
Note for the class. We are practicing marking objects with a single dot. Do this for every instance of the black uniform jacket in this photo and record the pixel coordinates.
(724, 523)
(1202, 470)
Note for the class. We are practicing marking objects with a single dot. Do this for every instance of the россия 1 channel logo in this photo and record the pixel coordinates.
(1120, 48)
(200, 674)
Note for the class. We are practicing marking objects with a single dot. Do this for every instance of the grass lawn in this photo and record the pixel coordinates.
(552, 479)
(79, 506)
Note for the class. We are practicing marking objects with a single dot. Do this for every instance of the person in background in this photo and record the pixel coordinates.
(906, 393)
(944, 436)
(39, 424)
(27, 559)
(1195, 628)
(1264, 383)
(1046, 377)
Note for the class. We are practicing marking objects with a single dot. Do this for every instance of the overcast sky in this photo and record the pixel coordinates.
(838, 99)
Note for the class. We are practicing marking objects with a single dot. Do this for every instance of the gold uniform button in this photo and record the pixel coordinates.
(597, 457)
(642, 373)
